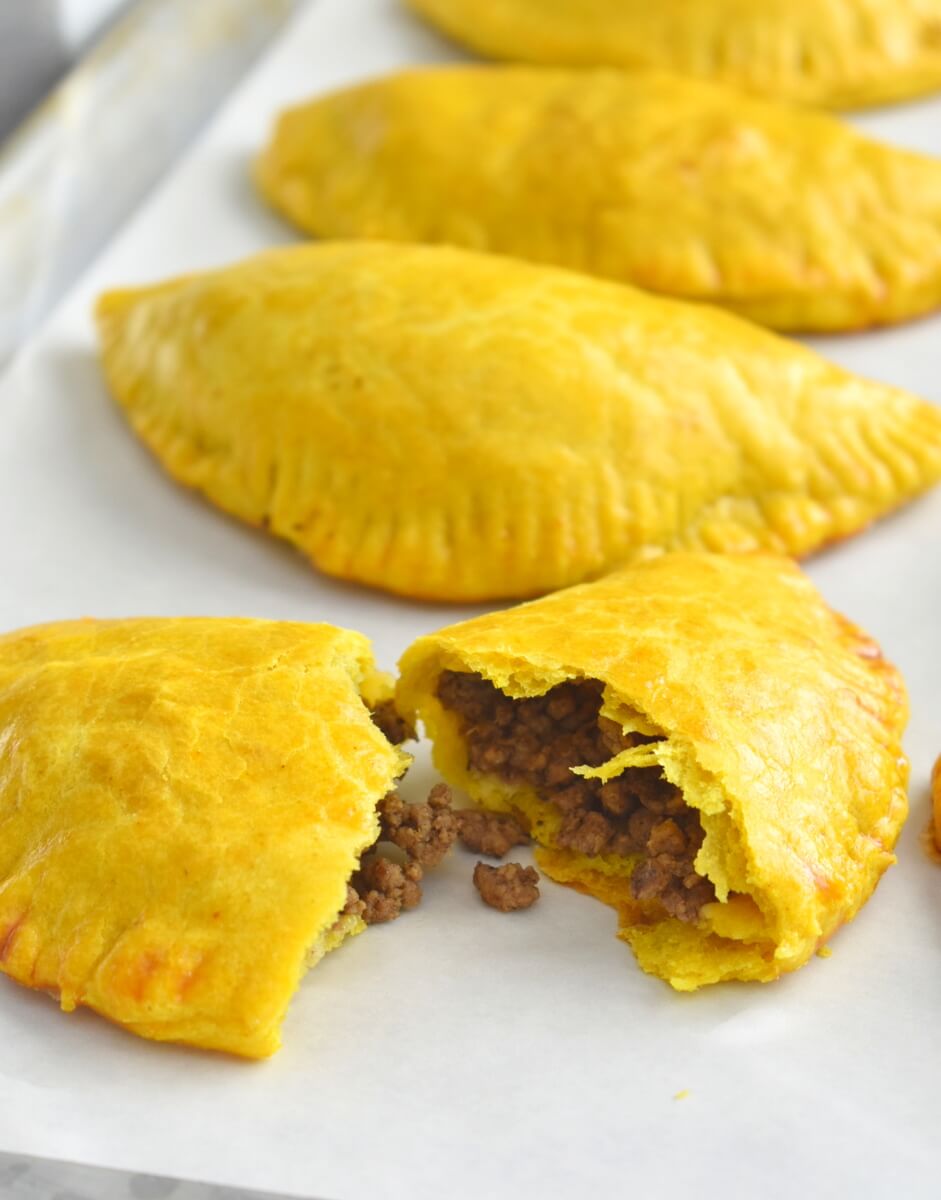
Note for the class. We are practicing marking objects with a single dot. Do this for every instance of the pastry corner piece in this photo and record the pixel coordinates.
(696, 740)
(182, 806)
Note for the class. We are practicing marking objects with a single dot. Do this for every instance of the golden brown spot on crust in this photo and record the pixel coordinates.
(140, 975)
(931, 34)
(191, 978)
(9, 938)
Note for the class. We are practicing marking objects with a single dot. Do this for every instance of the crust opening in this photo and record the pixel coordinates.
(550, 747)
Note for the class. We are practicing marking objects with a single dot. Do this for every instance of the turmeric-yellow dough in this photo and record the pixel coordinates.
(774, 719)
(182, 803)
(456, 426)
(936, 801)
(788, 217)
(837, 53)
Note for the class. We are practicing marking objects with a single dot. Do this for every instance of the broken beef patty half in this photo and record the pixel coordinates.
(537, 741)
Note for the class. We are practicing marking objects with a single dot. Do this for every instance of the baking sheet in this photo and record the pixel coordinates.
(460, 1052)
(86, 158)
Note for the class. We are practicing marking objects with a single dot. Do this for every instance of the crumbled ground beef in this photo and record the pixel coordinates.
(537, 741)
(386, 889)
(507, 888)
(426, 832)
(490, 833)
(354, 906)
(392, 723)
(383, 887)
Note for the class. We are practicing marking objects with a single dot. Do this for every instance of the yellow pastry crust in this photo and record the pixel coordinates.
(457, 426)
(788, 217)
(182, 803)
(835, 53)
(936, 802)
(779, 721)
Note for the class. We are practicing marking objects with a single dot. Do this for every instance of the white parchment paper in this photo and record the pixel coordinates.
(459, 1052)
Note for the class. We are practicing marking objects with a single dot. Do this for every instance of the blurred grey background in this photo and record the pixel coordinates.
(32, 57)
(133, 82)
(38, 41)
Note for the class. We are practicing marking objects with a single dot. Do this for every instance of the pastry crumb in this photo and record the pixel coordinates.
(824, 952)
(683, 1095)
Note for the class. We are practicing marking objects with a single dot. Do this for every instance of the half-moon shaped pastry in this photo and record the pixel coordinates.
(182, 806)
(696, 740)
(788, 217)
(936, 802)
(458, 426)
(837, 53)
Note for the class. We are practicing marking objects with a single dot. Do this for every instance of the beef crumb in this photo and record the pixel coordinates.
(537, 741)
(490, 833)
(391, 722)
(383, 887)
(386, 888)
(354, 906)
(425, 832)
(508, 888)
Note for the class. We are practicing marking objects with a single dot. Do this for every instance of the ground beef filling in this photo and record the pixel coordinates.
(537, 742)
(392, 724)
(490, 833)
(508, 888)
(425, 832)
(384, 887)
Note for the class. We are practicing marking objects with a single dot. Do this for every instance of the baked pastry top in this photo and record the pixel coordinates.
(836, 53)
(183, 803)
(787, 216)
(450, 425)
(697, 740)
